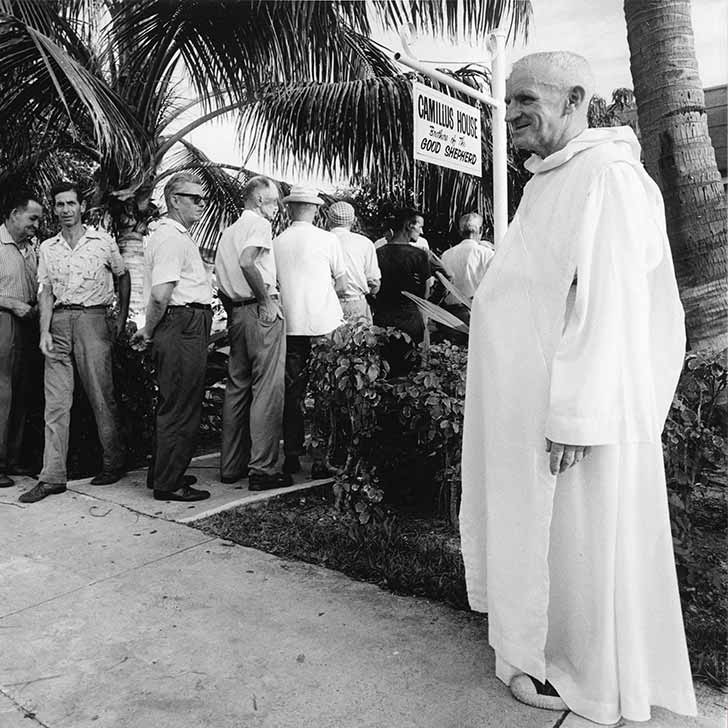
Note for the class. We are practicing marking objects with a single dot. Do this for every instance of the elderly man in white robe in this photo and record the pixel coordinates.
(576, 347)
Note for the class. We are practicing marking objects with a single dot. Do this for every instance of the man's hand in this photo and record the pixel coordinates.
(23, 310)
(119, 325)
(564, 456)
(268, 311)
(141, 340)
(46, 345)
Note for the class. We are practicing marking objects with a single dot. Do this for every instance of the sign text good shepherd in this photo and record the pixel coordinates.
(447, 131)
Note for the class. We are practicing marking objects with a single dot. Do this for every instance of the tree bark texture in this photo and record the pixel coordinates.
(678, 154)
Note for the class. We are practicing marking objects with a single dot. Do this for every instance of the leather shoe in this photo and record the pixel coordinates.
(269, 481)
(6, 482)
(319, 471)
(40, 491)
(185, 494)
(233, 478)
(291, 464)
(107, 477)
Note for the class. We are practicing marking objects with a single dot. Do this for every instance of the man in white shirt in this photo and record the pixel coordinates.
(253, 409)
(178, 320)
(360, 258)
(311, 270)
(466, 262)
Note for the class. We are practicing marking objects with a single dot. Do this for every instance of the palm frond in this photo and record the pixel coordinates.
(450, 288)
(437, 313)
(54, 81)
(457, 19)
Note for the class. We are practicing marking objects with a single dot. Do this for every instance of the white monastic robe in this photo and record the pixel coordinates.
(577, 335)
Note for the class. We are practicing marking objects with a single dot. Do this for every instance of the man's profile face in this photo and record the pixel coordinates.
(190, 202)
(25, 220)
(536, 113)
(68, 209)
(268, 202)
(416, 228)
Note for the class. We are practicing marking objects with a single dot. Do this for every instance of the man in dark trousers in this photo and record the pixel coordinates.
(18, 324)
(178, 320)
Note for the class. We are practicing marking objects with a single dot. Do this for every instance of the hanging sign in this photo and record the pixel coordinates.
(446, 131)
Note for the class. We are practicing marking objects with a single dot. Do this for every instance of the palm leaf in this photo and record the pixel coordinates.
(450, 288)
(436, 313)
(54, 81)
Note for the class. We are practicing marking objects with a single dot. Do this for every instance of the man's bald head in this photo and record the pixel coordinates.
(561, 69)
(547, 99)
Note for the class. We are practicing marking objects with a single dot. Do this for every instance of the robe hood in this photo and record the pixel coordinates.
(588, 139)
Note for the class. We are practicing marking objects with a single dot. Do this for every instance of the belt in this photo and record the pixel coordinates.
(249, 301)
(79, 307)
(203, 306)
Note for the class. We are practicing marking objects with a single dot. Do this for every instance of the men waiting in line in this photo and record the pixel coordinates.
(466, 263)
(75, 275)
(311, 271)
(253, 408)
(178, 321)
(360, 260)
(18, 325)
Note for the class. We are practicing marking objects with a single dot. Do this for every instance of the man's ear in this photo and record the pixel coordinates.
(575, 98)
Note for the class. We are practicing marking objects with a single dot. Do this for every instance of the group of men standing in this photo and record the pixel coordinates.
(58, 301)
(280, 295)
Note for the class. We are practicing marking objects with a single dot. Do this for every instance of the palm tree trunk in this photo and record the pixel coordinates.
(679, 155)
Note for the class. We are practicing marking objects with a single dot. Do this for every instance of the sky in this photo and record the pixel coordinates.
(593, 28)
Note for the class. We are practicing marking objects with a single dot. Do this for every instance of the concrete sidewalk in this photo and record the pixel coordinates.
(113, 614)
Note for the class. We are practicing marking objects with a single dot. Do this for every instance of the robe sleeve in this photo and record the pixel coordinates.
(623, 338)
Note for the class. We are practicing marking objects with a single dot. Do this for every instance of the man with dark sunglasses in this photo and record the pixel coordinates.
(178, 320)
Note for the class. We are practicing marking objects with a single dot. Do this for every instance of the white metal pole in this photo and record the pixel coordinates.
(447, 80)
(500, 140)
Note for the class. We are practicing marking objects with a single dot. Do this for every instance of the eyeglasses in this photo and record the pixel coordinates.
(196, 199)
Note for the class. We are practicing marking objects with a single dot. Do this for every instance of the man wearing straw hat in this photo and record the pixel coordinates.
(311, 271)
(360, 257)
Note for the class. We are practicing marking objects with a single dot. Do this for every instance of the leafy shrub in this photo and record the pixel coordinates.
(694, 446)
(397, 440)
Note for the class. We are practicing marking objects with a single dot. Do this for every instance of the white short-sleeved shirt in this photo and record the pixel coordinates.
(360, 259)
(82, 275)
(172, 256)
(250, 230)
(466, 262)
(308, 260)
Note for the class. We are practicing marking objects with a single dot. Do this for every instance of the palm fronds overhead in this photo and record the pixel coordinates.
(59, 91)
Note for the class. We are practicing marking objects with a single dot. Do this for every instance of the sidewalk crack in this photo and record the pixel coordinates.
(561, 719)
(109, 577)
(25, 711)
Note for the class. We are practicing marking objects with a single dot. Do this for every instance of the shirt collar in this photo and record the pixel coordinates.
(89, 233)
(175, 224)
(5, 236)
